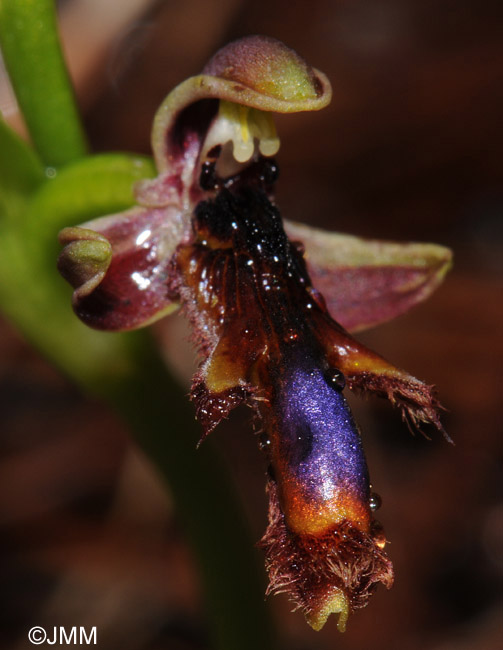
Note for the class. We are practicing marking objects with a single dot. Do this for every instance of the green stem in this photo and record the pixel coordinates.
(162, 421)
(33, 57)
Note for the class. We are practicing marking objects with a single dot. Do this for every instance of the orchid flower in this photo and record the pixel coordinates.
(270, 303)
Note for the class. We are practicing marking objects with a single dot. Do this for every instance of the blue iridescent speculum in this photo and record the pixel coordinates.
(207, 235)
(321, 451)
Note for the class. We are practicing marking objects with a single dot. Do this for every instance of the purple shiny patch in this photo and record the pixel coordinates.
(320, 442)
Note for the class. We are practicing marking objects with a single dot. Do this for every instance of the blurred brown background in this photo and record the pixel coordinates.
(410, 148)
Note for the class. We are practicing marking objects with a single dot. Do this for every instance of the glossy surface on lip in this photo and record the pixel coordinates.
(323, 472)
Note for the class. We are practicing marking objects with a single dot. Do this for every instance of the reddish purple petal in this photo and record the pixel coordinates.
(367, 282)
(133, 292)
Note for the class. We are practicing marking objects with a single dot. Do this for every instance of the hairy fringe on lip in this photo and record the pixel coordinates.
(309, 568)
(416, 400)
(212, 408)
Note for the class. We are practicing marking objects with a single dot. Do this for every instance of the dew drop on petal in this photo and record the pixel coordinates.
(375, 501)
(335, 379)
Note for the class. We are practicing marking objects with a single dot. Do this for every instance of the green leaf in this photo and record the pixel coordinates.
(32, 54)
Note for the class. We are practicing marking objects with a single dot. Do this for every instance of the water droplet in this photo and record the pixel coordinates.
(264, 442)
(291, 335)
(375, 501)
(335, 379)
(270, 172)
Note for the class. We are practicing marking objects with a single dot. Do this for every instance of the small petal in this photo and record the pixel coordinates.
(367, 282)
(129, 287)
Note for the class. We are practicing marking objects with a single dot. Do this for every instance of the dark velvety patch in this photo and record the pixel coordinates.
(194, 120)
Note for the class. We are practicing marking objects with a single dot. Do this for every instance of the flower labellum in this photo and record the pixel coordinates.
(270, 314)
